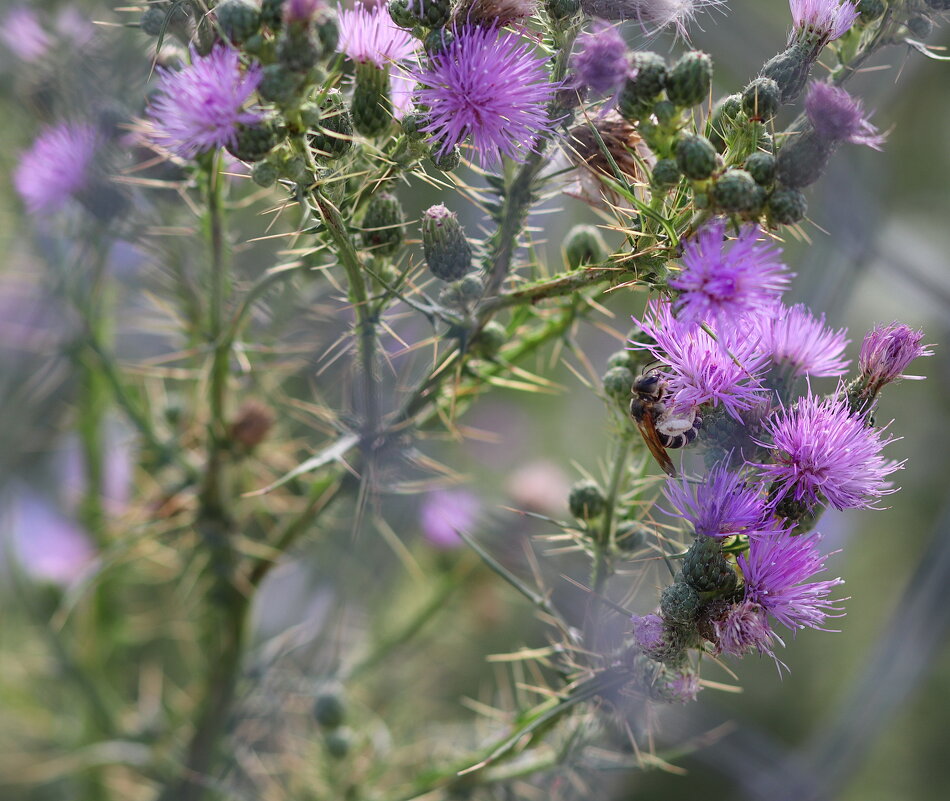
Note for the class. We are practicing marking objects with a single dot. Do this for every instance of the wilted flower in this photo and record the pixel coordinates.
(199, 107)
(446, 512)
(653, 15)
(57, 167)
(798, 341)
(625, 146)
(821, 21)
(838, 117)
(21, 31)
(369, 35)
(776, 572)
(746, 628)
(500, 13)
(722, 505)
(820, 450)
(887, 351)
(489, 87)
(722, 280)
(600, 61)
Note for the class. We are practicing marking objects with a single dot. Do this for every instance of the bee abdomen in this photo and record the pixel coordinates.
(673, 441)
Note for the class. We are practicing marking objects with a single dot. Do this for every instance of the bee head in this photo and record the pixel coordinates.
(648, 386)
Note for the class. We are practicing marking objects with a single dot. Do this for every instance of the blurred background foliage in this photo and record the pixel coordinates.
(863, 713)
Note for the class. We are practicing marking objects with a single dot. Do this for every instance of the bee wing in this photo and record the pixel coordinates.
(652, 439)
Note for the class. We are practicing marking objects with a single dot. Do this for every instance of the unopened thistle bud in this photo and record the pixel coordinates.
(736, 191)
(680, 604)
(631, 535)
(761, 166)
(871, 10)
(338, 742)
(431, 13)
(695, 156)
(761, 99)
(706, 569)
(586, 500)
(383, 225)
(445, 160)
(786, 206)
(688, 82)
(584, 245)
(464, 293)
(642, 88)
(279, 84)
(665, 174)
(329, 708)
(265, 174)
(372, 108)
(618, 383)
(254, 141)
(490, 339)
(723, 119)
(789, 69)
(334, 137)
(239, 19)
(297, 48)
(448, 254)
(802, 159)
(399, 12)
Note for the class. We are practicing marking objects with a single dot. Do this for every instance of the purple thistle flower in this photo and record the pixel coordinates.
(776, 572)
(199, 107)
(600, 61)
(795, 340)
(446, 512)
(838, 117)
(649, 632)
(746, 628)
(721, 280)
(682, 688)
(887, 351)
(370, 35)
(21, 31)
(702, 369)
(821, 450)
(823, 20)
(57, 166)
(724, 504)
(490, 87)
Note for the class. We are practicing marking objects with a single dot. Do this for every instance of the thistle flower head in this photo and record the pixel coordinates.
(724, 504)
(652, 15)
(21, 31)
(446, 512)
(489, 87)
(57, 166)
(369, 35)
(822, 21)
(838, 117)
(199, 107)
(600, 62)
(722, 281)
(796, 340)
(887, 351)
(703, 369)
(776, 572)
(744, 629)
(648, 631)
(301, 10)
(820, 450)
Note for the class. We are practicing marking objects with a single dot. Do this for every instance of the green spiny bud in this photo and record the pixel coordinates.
(383, 225)
(621, 358)
(631, 535)
(447, 161)
(723, 118)
(334, 136)
(310, 115)
(618, 383)
(329, 709)
(399, 11)
(679, 604)
(561, 10)
(785, 206)
(666, 173)
(272, 13)
(689, 80)
(640, 91)
(920, 26)
(296, 169)
(297, 48)
(789, 69)
(464, 293)
(264, 174)
(874, 9)
(448, 254)
(584, 245)
(238, 19)
(412, 125)
(706, 569)
(431, 13)
(490, 339)
(736, 191)
(802, 159)
(438, 41)
(279, 84)
(372, 108)
(695, 156)
(586, 500)
(761, 99)
(338, 742)
(253, 142)
(152, 21)
(761, 166)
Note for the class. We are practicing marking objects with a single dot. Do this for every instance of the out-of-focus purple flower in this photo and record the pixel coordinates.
(446, 512)
(490, 87)
(653, 15)
(48, 546)
(820, 451)
(722, 281)
(822, 20)
(887, 351)
(75, 26)
(682, 688)
(838, 117)
(301, 10)
(540, 486)
(401, 87)
(369, 35)
(649, 631)
(600, 61)
(700, 368)
(777, 570)
(199, 107)
(723, 505)
(22, 32)
(118, 465)
(746, 628)
(797, 341)
(57, 166)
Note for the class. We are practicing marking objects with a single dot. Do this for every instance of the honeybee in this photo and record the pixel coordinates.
(659, 427)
